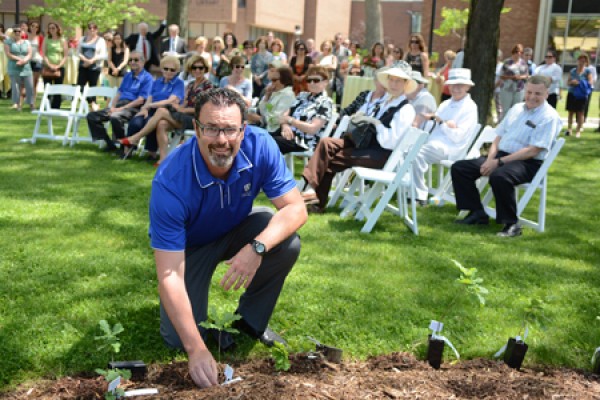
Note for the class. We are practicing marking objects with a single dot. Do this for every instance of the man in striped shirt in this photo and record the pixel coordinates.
(524, 137)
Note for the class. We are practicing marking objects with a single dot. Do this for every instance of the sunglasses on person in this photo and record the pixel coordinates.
(549, 56)
(16, 31)
(238, 66)
(314, 80)
(414, 41)
(169, 69)
(132, 60)
(198, 67)
(300, 49)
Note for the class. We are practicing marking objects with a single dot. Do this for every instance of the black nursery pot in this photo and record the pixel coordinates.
(515, 353)
(596, 366)
(435, 352)
(137, 368)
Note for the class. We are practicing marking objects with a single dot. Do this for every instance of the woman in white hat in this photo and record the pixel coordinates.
(391, 120)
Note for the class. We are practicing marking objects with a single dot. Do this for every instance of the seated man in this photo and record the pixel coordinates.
(451, 124)
(201, 213)
(392, 118)
(423, 101)
(524, 137)
(133, 92)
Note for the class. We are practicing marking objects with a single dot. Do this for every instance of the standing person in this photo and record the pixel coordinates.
(259, 246)
(145, 42)
(236, 81)
(416, 56)
(259, 65)
(19, 52)
(354, 58)
(340, 51)
(174, 45)
(118, 59)
(36, 39)
(528, 57)
(230, 50)
(311, 50)
(55, 51)
(395, 57)
(524, 138)
(514, 75)
(442, 75)
(248, 51)
(497, 86)
(217, 47)
(450, 127)
(300, 63)
(133, 92)
(553, 71)
(576, 100)
(92, 53)
(392, 120)
(277, 51)
(375, 60)
(201, 49)
(329, 61)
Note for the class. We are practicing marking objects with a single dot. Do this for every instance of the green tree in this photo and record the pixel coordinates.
(107, 14)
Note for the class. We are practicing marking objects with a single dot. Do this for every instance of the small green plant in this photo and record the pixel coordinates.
(281, 356)
(110, 375)
(533, 312)
(221, 322)
(469, 279)
(110, 337)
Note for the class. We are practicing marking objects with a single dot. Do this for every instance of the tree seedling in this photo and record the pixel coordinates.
(110, 340)
(469, 283)
(221, 322)
(113, 377)
(281, 356)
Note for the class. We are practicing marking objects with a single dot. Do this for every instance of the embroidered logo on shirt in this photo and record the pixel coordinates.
(247, 188)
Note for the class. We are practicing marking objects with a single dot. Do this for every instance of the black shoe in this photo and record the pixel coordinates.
(511, 230)
(420, 203)
(478, 217)
(597, 129)
(269, 337)
(227, 343)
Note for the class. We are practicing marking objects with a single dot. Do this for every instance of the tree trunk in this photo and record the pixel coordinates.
(373, 22)
(483, 32)
(177, 13)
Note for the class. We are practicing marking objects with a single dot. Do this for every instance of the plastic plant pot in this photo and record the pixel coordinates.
(515, 353)
(137, 368)
(435, 352)
(596, 365)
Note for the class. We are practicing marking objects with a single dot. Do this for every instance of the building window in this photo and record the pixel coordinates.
(415, 22)
(582, 37)
(241, 3)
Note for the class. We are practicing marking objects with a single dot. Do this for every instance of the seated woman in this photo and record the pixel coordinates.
(392, 120)
(166, 91)
(304, 123)
(279, 97)
(236, 80)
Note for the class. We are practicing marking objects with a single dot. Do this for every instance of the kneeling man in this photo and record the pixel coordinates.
(524, 137)
(201, 214)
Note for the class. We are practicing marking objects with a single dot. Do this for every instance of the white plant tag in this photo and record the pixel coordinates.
(140, 392)
(114, 384)
(436, 326)
(229, 379)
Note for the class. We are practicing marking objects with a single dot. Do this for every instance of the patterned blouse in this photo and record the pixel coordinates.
(192, 93)
(307, 107)
(512, 68)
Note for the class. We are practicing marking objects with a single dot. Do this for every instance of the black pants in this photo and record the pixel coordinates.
(553, 99)
(55, 100)
(503, 181)
(136, 125)
(96, 120)
(89, 76)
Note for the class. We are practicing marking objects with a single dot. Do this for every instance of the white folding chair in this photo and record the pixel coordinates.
(444, 179)
(97, 91)
(539, 182)
(178, 137)
(394, 178)
(49, 113)
(289, 157)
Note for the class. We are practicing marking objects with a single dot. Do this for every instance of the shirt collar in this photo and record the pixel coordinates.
(205, 179)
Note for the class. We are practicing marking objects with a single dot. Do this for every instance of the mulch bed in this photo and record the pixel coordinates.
(394, 376)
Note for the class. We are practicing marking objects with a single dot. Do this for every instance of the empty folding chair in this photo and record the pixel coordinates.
(98, 91)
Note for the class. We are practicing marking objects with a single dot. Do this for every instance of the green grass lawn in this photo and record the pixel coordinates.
(73, 233)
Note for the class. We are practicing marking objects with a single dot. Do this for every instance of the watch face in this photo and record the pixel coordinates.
(259, 247)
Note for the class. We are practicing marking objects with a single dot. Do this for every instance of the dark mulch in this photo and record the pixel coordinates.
(394, 376)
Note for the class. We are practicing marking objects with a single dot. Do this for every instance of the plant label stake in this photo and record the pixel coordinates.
(436, 343)
(114, 384)
(229, 379)
(333, 354)
(596, 361)
(514, 351)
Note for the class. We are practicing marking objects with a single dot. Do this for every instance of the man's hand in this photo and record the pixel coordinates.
(203, 368)
(243, 267)
(488, 167)
(114, 110)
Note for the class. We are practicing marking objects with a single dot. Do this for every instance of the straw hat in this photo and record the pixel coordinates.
(417, 77)
(457, 76)
(400, 72)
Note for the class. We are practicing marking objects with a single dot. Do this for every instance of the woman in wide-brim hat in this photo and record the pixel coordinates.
(391, 120)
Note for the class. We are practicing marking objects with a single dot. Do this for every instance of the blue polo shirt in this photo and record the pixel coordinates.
(133, 86)
(162, 90)
(189, 207)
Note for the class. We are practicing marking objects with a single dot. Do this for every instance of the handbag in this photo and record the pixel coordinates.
(360, 133)
(582, 90)
(50, 73)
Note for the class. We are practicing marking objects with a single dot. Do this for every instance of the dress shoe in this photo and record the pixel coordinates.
(226, 340)
(511, 230)
(314, 209)
(478, 217)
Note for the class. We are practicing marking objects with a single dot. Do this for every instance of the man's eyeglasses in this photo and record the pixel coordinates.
(169, 69)
(314, 80)
(198, 67)
(132, 60)
(549, 56)
(213, 131)
(238, 66)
